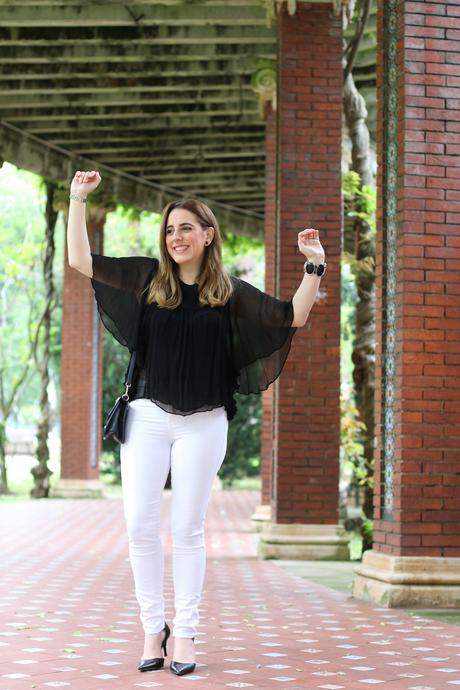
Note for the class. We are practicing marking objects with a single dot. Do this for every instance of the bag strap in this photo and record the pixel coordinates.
(129, 374)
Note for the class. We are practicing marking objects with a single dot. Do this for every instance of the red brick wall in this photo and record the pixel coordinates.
(309, 117)
(426, 516)
(76, 372)
(270, 221)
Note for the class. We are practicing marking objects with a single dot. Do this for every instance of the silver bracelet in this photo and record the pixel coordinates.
(77, 197)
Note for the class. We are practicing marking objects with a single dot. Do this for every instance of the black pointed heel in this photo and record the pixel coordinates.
(158, 661)
(181, 668)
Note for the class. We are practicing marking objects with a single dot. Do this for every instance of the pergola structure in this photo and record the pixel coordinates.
(210, 99)
(165, 98)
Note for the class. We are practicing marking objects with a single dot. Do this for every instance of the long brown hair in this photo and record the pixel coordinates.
(214, 283)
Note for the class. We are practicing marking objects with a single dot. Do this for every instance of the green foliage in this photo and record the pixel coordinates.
(235, 246)
(365, 195)
(348, 322)
(359, 202)
(367, 530)
(22, 289)
(354, 461)
(351, 431)
(243, 444)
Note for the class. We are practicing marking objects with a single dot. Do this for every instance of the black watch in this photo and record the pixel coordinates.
(310, 267)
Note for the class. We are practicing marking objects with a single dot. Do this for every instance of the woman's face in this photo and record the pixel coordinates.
(185, 237)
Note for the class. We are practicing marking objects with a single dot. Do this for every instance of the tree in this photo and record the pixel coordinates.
(41, 472)
(21, 295)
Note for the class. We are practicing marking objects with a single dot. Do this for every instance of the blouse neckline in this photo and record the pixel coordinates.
(187, 284)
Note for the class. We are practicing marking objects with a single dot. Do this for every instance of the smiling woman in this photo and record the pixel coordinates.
(200, 335)
(198, 340)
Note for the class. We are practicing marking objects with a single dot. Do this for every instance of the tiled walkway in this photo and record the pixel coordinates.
(69, 618)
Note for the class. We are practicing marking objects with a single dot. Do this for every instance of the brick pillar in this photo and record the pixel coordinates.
(270, 220)
(304, 513)
(81, 378)
(415, 559)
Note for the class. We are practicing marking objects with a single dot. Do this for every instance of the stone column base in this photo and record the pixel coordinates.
(408, 581)
(261, 515)
(303, 542)
(78, 488)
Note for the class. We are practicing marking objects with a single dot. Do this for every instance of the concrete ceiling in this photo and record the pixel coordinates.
(156, 95)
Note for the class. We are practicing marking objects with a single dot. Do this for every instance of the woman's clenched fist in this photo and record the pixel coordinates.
(85, 182)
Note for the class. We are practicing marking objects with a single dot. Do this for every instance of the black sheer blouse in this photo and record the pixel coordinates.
(195, 357)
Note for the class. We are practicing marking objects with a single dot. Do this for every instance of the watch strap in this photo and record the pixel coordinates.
(310, 267)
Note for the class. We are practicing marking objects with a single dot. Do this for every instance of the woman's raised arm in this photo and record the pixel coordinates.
(78, 248)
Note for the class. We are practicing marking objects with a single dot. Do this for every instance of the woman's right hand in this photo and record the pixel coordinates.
(85, 182)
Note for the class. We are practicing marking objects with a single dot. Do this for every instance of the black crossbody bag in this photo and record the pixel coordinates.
(115, 424)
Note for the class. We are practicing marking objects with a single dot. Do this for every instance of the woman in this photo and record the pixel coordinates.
(200, 336)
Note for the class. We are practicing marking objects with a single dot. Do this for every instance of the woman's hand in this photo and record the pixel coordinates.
(309, 244)
(85, 182)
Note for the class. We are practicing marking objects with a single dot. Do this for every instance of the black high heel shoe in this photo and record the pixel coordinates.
(181, 668)
(158, 661)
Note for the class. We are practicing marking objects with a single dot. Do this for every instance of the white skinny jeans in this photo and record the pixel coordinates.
(194, 447)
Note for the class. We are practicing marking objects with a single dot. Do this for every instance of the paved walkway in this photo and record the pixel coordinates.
(69, 618)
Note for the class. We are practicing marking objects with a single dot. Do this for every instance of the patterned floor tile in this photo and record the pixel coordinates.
(69, 617)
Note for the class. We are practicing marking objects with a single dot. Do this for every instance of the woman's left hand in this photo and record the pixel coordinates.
(310, 246)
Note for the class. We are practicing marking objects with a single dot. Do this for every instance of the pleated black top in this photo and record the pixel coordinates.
(194, 357)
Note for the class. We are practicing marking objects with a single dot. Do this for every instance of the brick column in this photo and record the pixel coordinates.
(81, 377)
(267, 433)
(415, 559)
(270, 259)
(304, 512)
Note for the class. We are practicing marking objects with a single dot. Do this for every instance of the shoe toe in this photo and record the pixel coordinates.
(151, 664)
(180, 669)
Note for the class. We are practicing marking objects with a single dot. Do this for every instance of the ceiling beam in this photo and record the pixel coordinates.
(197, 72)
(157, 153)
(84, 3)
(96, 14)
(135, 120)
(177, 86)
(99, 56)
(165, 126)
(154, 169)
(29, 152)
(194, 139)
(189, 98)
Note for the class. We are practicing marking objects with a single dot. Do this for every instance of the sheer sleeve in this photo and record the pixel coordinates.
(261, 335)
(118, 283)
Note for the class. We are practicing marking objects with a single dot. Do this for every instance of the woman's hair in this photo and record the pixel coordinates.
(214, 283)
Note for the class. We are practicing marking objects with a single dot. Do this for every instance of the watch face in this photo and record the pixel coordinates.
(310, 267)
(320, 270)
